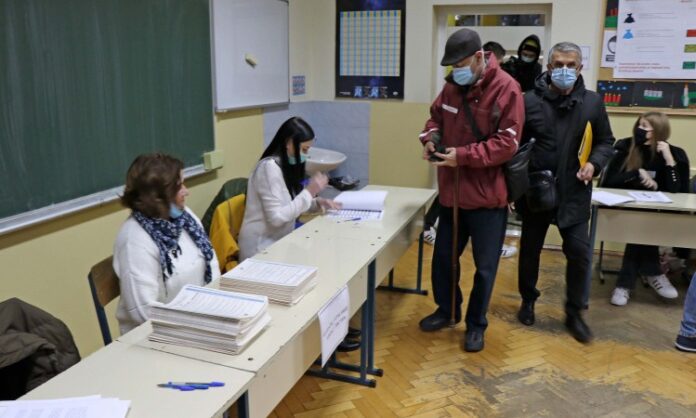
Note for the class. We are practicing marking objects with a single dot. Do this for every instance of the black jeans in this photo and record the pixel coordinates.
(576, 247)
(486, 227)
(638, 259)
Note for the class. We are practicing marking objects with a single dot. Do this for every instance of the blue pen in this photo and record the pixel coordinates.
(209, 384)
(354, 219)
(184, 388)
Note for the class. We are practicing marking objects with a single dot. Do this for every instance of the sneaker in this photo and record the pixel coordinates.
(429, 236)
(662, 286)
(508, 251)
(685, 343)
(619, 297)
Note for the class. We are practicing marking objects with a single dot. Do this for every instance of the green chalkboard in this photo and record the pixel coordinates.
(86, 85)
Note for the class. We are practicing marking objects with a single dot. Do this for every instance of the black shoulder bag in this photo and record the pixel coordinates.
(516, 169)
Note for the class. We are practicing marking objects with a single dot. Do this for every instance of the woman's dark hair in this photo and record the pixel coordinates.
(152, 182)
(298, 131)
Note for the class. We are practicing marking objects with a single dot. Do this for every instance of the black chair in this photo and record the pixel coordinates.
(104, 285)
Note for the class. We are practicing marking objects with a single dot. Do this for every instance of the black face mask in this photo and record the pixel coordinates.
(640, 136)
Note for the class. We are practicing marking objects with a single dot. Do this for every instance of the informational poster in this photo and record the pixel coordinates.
(609, 49)
(370, 48)
(656, 39)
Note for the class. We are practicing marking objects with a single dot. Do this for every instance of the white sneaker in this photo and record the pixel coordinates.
(429, 236)
(508, 251)
(619, 296)
(662, 286)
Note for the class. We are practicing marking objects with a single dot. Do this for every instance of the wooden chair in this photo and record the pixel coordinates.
(104, 285)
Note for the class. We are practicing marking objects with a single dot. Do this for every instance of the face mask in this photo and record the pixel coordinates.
(563, 78)
(640, 136)
(175, 211)
(292, 160)
(463, 76)
(527, 59)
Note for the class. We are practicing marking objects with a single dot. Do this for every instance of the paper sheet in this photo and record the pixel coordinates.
(362, 200)
(610, 199)
(333, 323)
(356, 215)
(650, 197)
(220, 303)
(270, 272)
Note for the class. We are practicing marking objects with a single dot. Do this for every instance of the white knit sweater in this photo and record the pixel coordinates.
(270, 210)
(136, 262)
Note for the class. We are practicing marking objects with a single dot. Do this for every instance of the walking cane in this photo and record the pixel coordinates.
(455, 245)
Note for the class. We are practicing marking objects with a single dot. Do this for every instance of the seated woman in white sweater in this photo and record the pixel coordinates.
(275, 195)
(162, 246)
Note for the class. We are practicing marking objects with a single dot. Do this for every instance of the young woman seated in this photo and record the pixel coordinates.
(161, 246)
(276, 196)
(646, 161)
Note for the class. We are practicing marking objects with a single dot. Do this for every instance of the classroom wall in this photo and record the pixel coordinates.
(47, 265)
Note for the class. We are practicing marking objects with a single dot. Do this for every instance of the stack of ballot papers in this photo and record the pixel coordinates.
(360, 205)
(82, 407)
(209, 319)
(282, 283)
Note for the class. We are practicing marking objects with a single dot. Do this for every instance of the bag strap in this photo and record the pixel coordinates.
(474, 127)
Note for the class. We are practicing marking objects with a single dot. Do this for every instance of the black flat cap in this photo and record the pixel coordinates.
(461, 44)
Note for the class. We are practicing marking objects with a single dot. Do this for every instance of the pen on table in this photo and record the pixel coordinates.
(351, 220)
(186, 386)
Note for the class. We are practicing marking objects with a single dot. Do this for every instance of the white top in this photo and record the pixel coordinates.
(136, 262)
(270, 210)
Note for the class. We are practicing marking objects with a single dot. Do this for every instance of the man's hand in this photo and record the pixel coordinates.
(428, 149)
(585, 173)
(449, 159)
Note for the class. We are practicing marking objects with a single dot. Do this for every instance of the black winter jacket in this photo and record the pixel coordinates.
(558, 124)
(524, 72)
(669, 179)
(34, 347)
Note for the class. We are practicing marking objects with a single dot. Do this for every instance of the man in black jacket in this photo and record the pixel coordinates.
(525, 67)
(560, 113)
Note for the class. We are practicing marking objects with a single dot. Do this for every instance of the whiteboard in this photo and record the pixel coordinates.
(256, 30)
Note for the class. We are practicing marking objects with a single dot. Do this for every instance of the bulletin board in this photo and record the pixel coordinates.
(640, 90)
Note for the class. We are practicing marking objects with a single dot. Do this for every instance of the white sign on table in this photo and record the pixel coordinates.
(333, 323)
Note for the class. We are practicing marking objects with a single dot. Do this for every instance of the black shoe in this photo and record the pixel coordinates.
(578, 328)
(685, 343)
(348, 345)
(526, 313)
(473, 341)
(353, 333)
(435, 321)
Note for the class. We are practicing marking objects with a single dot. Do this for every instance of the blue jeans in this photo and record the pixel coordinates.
(688, 325)
(486, 228)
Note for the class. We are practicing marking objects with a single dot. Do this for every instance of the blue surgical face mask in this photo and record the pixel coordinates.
(564, 78)
(527, 59)
(175, 211)
(292, 160)
(463, 76)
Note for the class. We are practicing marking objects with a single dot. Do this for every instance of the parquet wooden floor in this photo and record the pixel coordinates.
(630, 370)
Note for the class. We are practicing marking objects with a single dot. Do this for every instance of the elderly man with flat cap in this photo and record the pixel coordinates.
(475, 123)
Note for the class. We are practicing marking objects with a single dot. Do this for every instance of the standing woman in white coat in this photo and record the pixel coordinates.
(161, 247)
(276, 196)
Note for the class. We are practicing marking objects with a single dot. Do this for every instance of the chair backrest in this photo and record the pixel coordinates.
(230, 189)
(105, 287)
(224, 231)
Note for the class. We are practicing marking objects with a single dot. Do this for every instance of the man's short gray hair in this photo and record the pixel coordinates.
(566, 47)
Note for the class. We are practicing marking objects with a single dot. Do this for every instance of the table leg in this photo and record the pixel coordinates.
(419, 274)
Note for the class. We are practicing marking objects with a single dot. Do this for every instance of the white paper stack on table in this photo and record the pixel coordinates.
(210, 319)
(82, 407)
(282, 283)
(360, 205)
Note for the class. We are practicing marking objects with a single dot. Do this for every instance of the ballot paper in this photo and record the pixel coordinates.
(282, 283)
(82, 407)
(360, 205)
(210, 319)
(610, 199)
(650, 197)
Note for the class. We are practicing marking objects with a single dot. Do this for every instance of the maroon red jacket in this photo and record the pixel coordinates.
(496, 103)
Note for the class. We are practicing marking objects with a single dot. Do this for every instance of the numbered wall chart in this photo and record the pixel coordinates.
(370, 49)
(656, 39)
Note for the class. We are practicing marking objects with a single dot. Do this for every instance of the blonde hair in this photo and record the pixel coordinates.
(660, 132)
